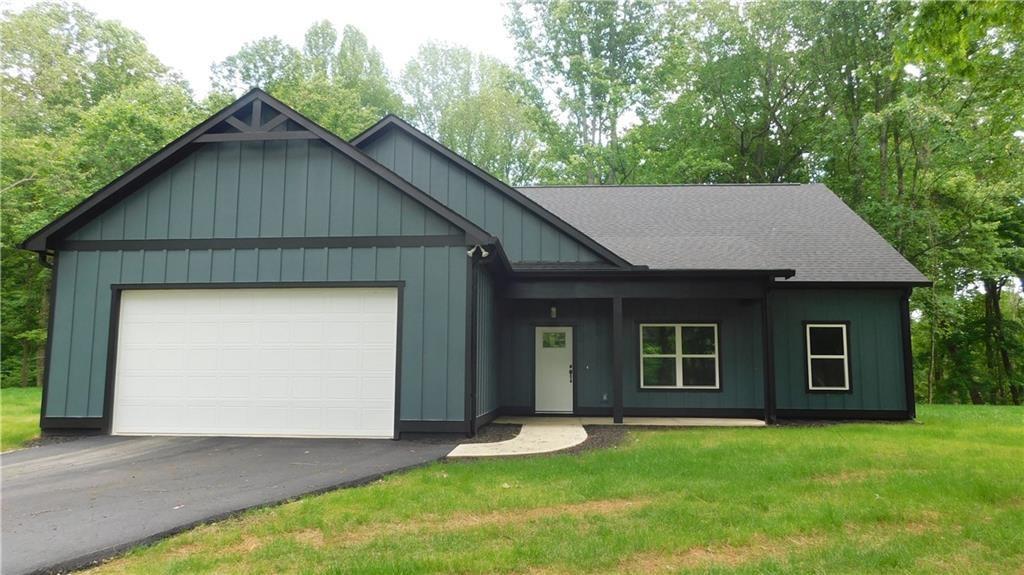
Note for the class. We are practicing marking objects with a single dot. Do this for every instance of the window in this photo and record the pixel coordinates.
(553, 339)
(679, 356)
(828, 357)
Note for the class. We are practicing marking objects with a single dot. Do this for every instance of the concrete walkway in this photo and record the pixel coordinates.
(541, 436)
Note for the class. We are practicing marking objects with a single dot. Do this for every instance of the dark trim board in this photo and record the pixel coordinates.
(431, 427)
(266, 243)
(106, 422)
(908, 354)
(738, 413)
(844, 414)
(72, 424)
(49, 341)
(768, 354)
(797, 284)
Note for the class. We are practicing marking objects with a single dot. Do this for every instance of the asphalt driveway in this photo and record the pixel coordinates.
(65, 505)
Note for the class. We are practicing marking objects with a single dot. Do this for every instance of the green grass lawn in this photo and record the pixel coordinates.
(19, 415)
(945, 496)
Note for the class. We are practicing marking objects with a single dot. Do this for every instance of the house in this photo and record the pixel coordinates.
(262, 276)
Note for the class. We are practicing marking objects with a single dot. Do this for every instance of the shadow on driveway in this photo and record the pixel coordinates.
(66, 505)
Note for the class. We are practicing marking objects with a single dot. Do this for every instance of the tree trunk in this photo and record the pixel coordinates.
(26, 354)
(999, 354)
(44, 320)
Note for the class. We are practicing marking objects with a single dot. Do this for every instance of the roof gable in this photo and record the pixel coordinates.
(255, 117)
(528, 232)
(262, 189)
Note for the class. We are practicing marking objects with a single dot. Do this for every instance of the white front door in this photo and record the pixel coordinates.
(316, 362)
(554, 370)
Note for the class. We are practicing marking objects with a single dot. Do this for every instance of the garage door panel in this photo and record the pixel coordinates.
(257, 362)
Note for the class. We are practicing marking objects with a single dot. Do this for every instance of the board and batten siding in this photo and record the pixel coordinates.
(592, 345)
(875, 341)
(740, 353)
(296, 188)
(265, 190)
(487, 351)
(524, 236)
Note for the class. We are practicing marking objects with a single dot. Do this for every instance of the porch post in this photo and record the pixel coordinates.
(768, 351)
(617, 345)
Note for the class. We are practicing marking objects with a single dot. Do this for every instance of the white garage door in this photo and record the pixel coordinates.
(268, 361)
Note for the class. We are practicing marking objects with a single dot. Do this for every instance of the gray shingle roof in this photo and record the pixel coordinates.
(804, 227)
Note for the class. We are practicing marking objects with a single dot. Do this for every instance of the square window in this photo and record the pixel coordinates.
(679, 356)
(554, 339)
(659, 372)
(659, 339)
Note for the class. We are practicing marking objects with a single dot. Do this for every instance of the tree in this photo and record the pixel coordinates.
(594, 57)
(478, 107)
(83, 100)
(343, 86)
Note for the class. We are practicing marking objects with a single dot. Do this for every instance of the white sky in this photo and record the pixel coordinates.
(190, 35)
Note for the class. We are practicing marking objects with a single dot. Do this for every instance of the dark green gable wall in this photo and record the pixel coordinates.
(266, 190)
(299, 188)
(875, 346)
(524, 236)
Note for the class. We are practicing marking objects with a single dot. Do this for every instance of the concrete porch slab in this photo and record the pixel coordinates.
(543, 436)
(635, 421)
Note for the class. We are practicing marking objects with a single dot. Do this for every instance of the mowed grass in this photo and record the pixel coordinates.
(19, 415)
(945, 495)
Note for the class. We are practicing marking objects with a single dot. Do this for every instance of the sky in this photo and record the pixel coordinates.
(190, 35)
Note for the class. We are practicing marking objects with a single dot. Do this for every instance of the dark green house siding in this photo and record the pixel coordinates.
(591, 322)
(524, 236)
(300, 188)
(487, 350)
(875, 346)
(740, 354)
(269, 189)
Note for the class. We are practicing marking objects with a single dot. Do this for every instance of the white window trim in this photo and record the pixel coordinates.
(679, 356)
(845, 357)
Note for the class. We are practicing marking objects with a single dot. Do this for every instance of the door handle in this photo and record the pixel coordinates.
(570, 373)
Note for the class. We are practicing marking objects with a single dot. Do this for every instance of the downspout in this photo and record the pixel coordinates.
(475, 254)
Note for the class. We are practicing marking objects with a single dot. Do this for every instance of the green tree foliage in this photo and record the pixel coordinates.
(83, 100)
(594, 57)
(479, 107)
(341, 84)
